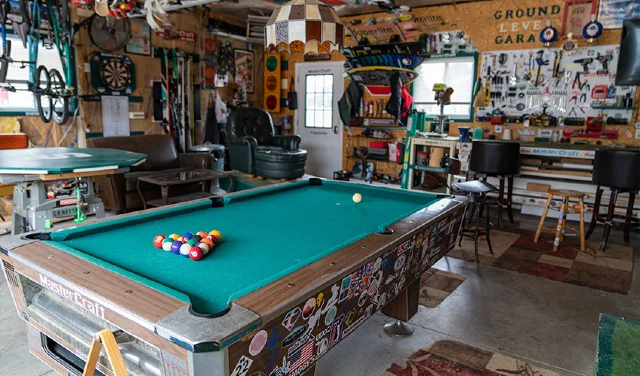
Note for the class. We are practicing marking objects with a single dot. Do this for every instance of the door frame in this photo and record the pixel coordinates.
(297, 113)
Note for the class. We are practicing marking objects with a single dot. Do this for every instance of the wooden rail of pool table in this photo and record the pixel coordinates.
(145, 302)
(297, 286)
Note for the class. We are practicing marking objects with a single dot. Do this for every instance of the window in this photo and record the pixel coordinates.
(319, 100)
(457, 73)
(22, 101)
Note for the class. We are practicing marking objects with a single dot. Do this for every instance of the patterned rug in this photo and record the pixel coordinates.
(515, 250)
(449, 358)
(618, 351)
(436, 285)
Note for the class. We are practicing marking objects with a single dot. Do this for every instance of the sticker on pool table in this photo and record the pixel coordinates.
(294, 335)
(242, 367)
(309, 308)
(258, 342)
(363, 298)
(301, 357)
(336, 330)
(319, 299)
(291, 318)
(344, 289)
(331, 314)
(399, 262)
(323, 347)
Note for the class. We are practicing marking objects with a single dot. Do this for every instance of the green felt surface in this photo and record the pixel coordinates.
(64, 160)
(618, 349)
(266, 235)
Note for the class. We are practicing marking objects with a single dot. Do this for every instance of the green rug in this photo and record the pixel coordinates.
(618, 350)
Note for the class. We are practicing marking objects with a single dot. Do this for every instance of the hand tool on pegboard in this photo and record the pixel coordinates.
(540, 62)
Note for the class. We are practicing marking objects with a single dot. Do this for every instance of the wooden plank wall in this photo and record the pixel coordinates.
(485, 24)
(147, 69)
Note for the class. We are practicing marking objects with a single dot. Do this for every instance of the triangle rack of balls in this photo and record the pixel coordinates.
(193, 246)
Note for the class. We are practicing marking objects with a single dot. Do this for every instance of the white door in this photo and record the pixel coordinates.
(319, 87)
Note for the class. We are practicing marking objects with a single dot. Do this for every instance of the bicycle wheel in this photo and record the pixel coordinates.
(43, 100)
(60, 102)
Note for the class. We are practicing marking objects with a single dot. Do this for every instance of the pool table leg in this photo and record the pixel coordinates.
(403, 307)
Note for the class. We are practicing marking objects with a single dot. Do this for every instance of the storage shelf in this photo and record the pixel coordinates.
(612, 108)
(376, 138)
(427, 168)
(374, 160)
(391, 127)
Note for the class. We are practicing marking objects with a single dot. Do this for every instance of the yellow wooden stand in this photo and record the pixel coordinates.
(106, 338)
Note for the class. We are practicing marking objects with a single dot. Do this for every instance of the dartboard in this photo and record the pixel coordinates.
(115, 74)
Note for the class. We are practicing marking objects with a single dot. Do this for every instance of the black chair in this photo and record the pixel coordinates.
(478, 191)
(501, 160)
(255, 149)
(620, 171)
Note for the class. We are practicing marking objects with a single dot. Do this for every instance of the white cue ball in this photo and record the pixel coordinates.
(357, 197)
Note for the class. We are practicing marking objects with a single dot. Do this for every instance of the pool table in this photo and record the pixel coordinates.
(300, 266)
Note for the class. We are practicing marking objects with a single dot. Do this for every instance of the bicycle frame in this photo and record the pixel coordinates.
(62, 41)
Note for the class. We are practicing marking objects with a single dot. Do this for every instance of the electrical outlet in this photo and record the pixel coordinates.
(637, 125)
(87, 68)
(637, 134)
(498, 128)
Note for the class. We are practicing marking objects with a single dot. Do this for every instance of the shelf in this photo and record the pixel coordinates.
(427, 168)
(376, 138)
(612, 108)
(392, 127)
(373, 160)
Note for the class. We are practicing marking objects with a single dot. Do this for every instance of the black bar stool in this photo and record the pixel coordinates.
(501, 160)
(478, 191)
(620, 171)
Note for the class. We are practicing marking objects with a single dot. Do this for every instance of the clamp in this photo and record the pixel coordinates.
(573, 111)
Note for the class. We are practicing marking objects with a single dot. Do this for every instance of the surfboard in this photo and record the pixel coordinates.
(386, 60)
(377, 79)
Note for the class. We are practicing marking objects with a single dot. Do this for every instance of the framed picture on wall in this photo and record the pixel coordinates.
(245, 61)
(613, 12)
(577, 13)
(140, 41)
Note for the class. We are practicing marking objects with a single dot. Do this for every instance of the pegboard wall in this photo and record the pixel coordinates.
(578, 85)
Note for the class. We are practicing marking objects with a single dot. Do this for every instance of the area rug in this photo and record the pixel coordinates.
(515, 250)
(436, 285)
(618, 350)
(449, 358)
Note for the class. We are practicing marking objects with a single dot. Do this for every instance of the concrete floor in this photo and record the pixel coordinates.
(547, 323)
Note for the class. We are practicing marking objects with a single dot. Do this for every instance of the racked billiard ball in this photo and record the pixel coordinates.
(175, 247)
(207, 241)
(196, 254)
(197, 238)
(191, 241)
(202, 234)
(158, 240)
(174, 236)
(204, 246)
(216, 233)
(184, 249)
(166, 245)
(187, 235)
(214, 239)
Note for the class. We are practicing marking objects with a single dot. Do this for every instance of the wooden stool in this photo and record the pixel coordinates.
(562, 218)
